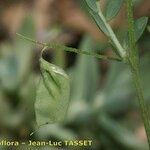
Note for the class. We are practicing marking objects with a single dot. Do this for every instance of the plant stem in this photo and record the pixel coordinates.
(59, 58)
(112, 36)
(69, 49)
(142, 102)
(134, 67)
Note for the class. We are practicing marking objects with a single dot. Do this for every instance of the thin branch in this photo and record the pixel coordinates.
(131, 34)
(134, 67)
(69, 49)
(31, 40)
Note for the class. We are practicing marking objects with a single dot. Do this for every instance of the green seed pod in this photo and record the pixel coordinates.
(52, 96)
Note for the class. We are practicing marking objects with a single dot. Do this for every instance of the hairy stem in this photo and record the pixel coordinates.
(134, 67)
(142, 103)
(70, 49)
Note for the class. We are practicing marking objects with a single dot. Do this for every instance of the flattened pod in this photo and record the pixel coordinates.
(52, 97)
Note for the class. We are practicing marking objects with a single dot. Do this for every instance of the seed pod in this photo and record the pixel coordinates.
(52, 97)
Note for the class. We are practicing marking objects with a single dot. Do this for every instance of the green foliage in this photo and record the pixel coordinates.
(87, 68)
(99, 22)
(129, 56)
(92, 5)
(52, 94)
(112, 8)
(101, 111)
(133, 62)
(8, 75)
(94, 10)
(48, 84)
(15, 60)
(140, 25)
(118, 88)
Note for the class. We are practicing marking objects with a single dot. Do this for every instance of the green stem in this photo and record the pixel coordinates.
(134, 67)
(59, 58)
(70, 49)
(131, 33)
(142, 102)
(112, 35)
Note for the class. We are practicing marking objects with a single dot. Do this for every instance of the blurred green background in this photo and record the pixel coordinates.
(103, 106)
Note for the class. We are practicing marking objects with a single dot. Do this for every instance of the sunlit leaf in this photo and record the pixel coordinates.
(8, 73)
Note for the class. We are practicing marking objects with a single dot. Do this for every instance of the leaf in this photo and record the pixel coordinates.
(99, 22)
(94, 12)
(92, 5)
(52, 96)
(140, 25)
(112, 8)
